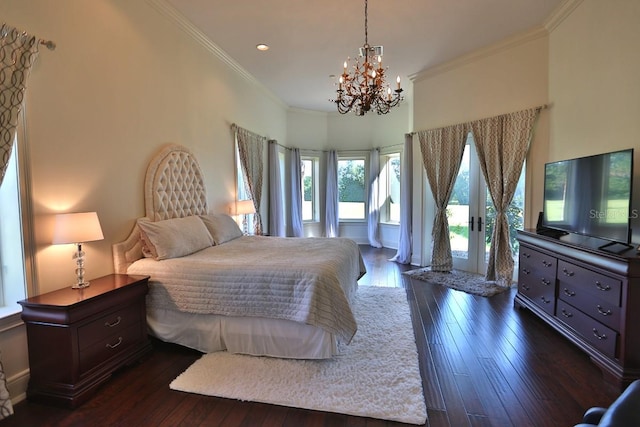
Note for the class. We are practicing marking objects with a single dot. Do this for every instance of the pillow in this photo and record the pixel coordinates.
(173, 238)
(221, 227)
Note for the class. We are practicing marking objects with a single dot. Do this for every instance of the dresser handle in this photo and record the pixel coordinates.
(546, 263)
(525, 255)
(601, 287)
(566, 314)
(545, 282)
(116, 323)
(597, 335)
(112, 346)
(525, 271)
(603, 311)
(569, 293)
(525, 287)
(544, 300)
(567, 272)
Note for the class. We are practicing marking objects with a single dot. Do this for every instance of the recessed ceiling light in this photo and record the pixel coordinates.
(262, 47)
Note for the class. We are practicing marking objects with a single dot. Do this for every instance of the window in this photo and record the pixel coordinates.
(390, 187)
(351, 188)
(245, 220)
(12, 266)
(310, 193)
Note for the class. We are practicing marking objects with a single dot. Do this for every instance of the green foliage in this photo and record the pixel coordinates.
(515, 217)
(308, 189)
(351, 181)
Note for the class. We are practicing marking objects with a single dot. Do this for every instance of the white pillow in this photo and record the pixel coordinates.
(221, 227)
(173, 238)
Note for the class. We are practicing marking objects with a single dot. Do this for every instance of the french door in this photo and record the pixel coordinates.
(467, 213)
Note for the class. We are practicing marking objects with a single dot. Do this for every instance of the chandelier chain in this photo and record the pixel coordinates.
(366, 27)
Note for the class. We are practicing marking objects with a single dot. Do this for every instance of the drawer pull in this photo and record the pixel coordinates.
(546, 263)
(544, 300)
(525, 271)
(598, 335)
(602, 287)
(545, 282)
(116, 323)
(566, 314)
(569, 293)
(525, 287)
(567, 272)
(112, 346)
(526, 255)
(603, 311)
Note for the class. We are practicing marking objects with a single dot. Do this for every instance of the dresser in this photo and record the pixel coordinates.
(78, 337)
(590, 296)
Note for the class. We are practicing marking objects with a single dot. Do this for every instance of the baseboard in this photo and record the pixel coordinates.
(17, 385)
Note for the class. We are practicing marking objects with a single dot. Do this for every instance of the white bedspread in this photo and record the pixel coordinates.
(307, 280)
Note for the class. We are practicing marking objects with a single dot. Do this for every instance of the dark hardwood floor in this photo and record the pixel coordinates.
(483, 363)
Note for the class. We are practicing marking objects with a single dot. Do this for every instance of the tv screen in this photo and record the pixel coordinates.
(590, 195)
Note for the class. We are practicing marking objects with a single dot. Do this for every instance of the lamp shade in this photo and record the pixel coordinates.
(77, 228)
(244, 207)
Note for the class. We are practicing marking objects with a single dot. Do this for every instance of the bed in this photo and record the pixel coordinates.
(212, 288)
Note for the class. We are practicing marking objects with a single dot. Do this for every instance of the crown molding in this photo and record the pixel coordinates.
(201, 38)
(487, 51)
(561, 12)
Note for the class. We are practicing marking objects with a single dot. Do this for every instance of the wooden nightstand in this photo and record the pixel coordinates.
(78, 337)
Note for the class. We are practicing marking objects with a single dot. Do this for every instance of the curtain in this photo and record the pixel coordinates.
(296, 194)
(403, 255)
(18, 51)
(442, 151)
(250, 151)
(276, 209)
(502, 143)
(374, 198)
(331, 206)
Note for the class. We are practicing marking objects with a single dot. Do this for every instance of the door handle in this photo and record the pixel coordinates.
(471, 222)
(479, 224)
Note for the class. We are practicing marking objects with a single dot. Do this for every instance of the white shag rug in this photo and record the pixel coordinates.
(376, 376)
(459, 280)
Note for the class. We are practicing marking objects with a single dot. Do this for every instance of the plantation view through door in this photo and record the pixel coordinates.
(471, 214)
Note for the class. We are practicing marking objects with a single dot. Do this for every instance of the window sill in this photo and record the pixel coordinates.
(10, 317)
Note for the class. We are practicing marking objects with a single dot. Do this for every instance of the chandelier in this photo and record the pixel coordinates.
(364, 88)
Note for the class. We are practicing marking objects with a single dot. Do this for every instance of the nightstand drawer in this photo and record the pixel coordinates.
(107, 325)
(110, 346)
(603, 287)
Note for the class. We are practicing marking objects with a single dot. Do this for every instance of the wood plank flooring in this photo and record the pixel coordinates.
(483, 363)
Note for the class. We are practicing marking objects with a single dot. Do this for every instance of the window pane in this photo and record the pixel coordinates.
(351, 189)
(308, 189)
(390, 187)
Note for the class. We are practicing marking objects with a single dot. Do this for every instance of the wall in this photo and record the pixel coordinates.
(594, 66)
(503, 78)
(123, 81)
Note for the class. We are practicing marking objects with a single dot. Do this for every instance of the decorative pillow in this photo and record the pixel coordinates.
(173, 238)
(221, 227)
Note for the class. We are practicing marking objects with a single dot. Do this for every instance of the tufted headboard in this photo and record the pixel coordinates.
(173, 188)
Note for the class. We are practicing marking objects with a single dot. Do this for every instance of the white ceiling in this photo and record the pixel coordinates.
(309, 40)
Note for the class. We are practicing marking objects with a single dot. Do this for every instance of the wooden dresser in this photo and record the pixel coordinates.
(78, 337)
(590, 296)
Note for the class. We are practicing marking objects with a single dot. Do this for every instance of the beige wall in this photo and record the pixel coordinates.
(123, 81)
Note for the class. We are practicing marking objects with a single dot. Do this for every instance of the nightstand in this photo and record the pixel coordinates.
(78, 337)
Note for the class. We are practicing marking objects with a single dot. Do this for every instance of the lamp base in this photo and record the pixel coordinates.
(80, 285)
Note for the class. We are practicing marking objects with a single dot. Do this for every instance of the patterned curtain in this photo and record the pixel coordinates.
(250, 150)
(442, 151)
(502, 143)
(18, 51)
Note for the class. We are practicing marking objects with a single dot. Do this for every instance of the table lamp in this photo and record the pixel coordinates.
(244, 208)
(77, 228)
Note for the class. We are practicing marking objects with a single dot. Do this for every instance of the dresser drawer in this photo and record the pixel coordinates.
(601, 310)
(603, 287)
(597, 334)
(543, 264)
(538, 289)
(110, 346)
(107, 325)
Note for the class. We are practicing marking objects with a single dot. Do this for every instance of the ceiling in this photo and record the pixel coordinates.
(310, 40)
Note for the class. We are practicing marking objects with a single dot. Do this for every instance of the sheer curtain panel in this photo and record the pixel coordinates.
(331, 209)
(374, 199)
(405, 245)
(296, 193)
(250, 151)
(442, 151)
(276, 209)
(502, 143)
(18, 51)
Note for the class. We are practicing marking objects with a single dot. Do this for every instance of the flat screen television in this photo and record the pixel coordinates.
(590, 196)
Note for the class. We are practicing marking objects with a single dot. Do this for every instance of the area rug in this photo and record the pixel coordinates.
(376, 376)
(459, 280)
